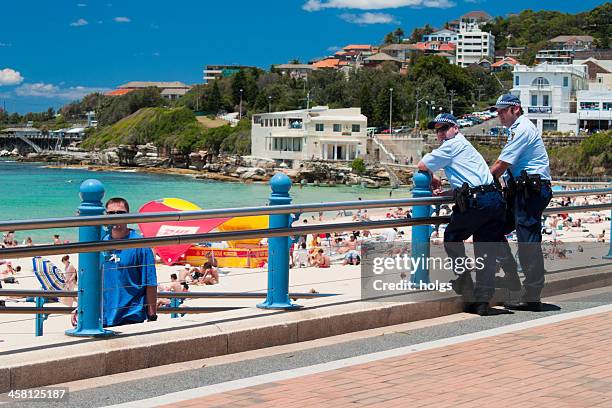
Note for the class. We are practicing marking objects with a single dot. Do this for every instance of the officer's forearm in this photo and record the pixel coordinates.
(151, 300)
(499, 167)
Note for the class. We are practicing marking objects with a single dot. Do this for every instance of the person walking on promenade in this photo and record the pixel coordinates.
(524, 155)
(130, 280)
(478, 211)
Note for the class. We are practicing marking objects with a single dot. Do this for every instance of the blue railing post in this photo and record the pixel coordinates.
(278, 249)
(40, 318)
(89, 306)
(609, 256)
(421, 233)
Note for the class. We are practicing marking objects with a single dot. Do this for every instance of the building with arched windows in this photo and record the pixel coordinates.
(549, 94)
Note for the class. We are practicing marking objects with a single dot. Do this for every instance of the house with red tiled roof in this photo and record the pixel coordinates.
(118, 92)
(505, 63)
(329, 63)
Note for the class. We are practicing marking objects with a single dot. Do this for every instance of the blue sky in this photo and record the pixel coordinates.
(52, 52)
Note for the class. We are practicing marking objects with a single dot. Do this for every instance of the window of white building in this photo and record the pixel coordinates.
(540, 82)
(337, 127)
(549, 125)
(319, 127)
(589, 105)
(355, 128)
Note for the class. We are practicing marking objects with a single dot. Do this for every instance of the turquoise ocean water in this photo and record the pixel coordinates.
(29, 191)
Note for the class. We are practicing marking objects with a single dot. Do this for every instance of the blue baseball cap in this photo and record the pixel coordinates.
(504, 101)
(444, 118)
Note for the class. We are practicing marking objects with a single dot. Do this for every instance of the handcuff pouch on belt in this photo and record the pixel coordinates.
(529, 183)
(461, 197)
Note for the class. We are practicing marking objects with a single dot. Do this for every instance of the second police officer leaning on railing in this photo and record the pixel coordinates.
(525, 158)
(479, 208)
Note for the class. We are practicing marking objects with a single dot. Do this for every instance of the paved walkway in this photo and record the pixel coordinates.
(562, 364)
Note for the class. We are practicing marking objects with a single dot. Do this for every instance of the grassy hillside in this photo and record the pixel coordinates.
(172, 127)
(175, 128)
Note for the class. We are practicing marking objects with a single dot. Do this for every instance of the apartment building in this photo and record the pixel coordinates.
(473, 44)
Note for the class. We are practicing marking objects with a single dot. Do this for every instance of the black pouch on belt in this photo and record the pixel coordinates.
(460, 195)
(534, 183)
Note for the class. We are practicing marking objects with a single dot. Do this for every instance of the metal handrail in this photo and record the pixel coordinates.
(95, 246)
(70, 222)
(69, 310)
(190, 295)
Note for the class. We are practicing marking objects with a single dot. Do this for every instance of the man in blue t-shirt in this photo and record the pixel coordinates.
(130, 280)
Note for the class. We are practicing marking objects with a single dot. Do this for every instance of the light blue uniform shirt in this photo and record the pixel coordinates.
(127, 273)
(525, 150)
(461, 162)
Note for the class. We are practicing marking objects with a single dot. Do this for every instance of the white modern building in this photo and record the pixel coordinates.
(473, 46)
(445, 36)
(548, 94)
(595, 110)
(319, 133)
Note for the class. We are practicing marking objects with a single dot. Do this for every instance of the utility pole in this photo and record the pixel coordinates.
(240, 110)
(390, 110)
(452, 95)
(308, 100)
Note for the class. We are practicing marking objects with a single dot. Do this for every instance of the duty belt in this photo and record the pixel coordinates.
(488, 188)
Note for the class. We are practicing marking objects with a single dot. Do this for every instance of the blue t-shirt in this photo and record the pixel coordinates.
(461, 162)
(525, 150)
(127, 273)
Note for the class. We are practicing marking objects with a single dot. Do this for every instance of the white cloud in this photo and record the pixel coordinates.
(80, 22)
(156, 54)
(439, 3)
(5, 44)
(316, 5)
(42, 90)
(154, 26)
(334, 48)
(81, 5)
(122, 20)
(10, 77)
(369, 18)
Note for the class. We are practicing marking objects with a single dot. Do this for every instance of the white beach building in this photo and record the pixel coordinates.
(548, 94)
(318, 133)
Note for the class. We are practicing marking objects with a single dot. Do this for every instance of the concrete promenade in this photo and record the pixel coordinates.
(559, 361)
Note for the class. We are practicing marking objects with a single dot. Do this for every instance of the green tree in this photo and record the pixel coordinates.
(213, 103)
(399, 35)
(358, 166)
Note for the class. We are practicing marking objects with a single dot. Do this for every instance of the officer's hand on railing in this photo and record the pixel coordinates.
(436, 183)
(438, 192)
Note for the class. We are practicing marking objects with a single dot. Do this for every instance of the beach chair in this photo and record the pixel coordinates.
(48, 275)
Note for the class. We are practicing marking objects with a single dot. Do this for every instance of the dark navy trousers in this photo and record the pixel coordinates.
(528, 220)
(484, 220)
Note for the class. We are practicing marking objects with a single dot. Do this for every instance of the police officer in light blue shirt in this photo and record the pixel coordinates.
(524, 157)
(479, 209)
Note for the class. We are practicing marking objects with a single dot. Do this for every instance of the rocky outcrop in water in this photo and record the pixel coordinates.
(203, 165)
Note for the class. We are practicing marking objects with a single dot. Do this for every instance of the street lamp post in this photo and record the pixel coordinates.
(240, 111)
(416, 114)
(269, 104)
(390, 110)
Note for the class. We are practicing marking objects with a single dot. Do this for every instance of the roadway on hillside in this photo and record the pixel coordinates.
(164, 380)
